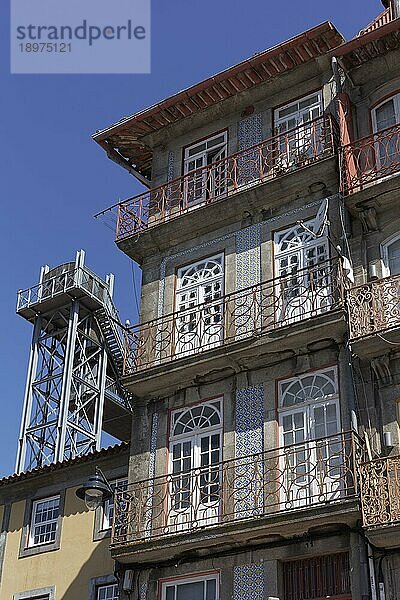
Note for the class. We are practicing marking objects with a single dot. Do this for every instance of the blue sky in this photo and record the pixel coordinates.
(54, 178)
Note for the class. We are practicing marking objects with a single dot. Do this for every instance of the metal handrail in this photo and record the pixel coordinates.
(271, 158)
(294, 477)
(369, 158)
(236, 316)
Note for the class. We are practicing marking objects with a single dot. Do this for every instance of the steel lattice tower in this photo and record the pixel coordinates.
(72, 390)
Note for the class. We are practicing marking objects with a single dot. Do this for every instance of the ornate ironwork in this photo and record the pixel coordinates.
(272, 158)
(283, 479)
(374, 307)
(369, 159)
(379, 486)
(248, 312)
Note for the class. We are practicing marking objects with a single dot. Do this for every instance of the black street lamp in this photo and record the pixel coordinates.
(95, 490)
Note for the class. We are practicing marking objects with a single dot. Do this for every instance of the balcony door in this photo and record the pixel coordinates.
(387, 291)
(199, 306)
(387, 146)
(312, 457)
(299, 135)
(303, 287)
(195, 469)
(205, 170)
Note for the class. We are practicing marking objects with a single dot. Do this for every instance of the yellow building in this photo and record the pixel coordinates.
(51, 545)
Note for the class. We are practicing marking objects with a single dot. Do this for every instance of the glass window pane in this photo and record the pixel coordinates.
(211, 590)
(191, 591)
(170, 593)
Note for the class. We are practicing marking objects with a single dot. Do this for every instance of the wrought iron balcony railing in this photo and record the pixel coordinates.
(374, 307)
(370, 159)
(380, 497)
(286, 152)
(304, 475)
(224, 320)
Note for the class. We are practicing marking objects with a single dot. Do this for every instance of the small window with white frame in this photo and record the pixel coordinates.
(205, 169)
(107, 592)
(108, 513)
(44, 521)
(385, 117)
(301, 137)
(205, 587)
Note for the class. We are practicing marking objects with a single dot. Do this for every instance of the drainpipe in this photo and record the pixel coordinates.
(371, 566)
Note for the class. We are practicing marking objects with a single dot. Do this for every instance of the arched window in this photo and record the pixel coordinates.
(303, 284)
(195, 470)
(199, 324)
(309, 422)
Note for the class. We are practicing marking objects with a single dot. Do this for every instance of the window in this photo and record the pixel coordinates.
(384, 117)
(312, 453)
(41, 594)
(300, 137)
(391, 255)
(107, 592)
(195, 457)
(199, 324)
(205, 162)
(194, 588)
(108, 514)
(301, 264)
(318, 577)
(44, 522)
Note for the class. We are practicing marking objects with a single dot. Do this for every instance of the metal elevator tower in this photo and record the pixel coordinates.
(73, 391)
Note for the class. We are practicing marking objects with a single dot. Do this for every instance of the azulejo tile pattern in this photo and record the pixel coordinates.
(171, 166)
(249, 440)
(249, 421)
(152, 471)
(248, 273)
(143, 591)
(249, 582)
(250, 131)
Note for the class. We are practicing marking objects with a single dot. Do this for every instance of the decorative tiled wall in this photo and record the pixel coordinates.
(152, 472)
(249, 440)
(248, 273)
(143, 591)
(249, 421)
(171, 166)
(250, 131)
(249, 134)
(248, 582)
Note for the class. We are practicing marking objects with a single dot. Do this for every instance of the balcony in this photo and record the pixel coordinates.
(279, 492)
(380, 500)
(260, 314)
(374, 308)
(369, 160)
(288, 152)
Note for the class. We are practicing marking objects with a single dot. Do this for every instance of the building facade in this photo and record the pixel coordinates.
(264, 362)
(264, 454)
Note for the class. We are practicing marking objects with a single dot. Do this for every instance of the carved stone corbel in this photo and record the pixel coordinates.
(381, 367)
(368, 219)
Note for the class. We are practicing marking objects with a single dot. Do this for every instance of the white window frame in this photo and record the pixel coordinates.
(115, 483)
(194, 579)
(106, 586)
(205, 182)
(307, 409)
(396, 99)
(32, 526)
(181, 313)
(279, 120)
(195, 436)
(385, 252)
